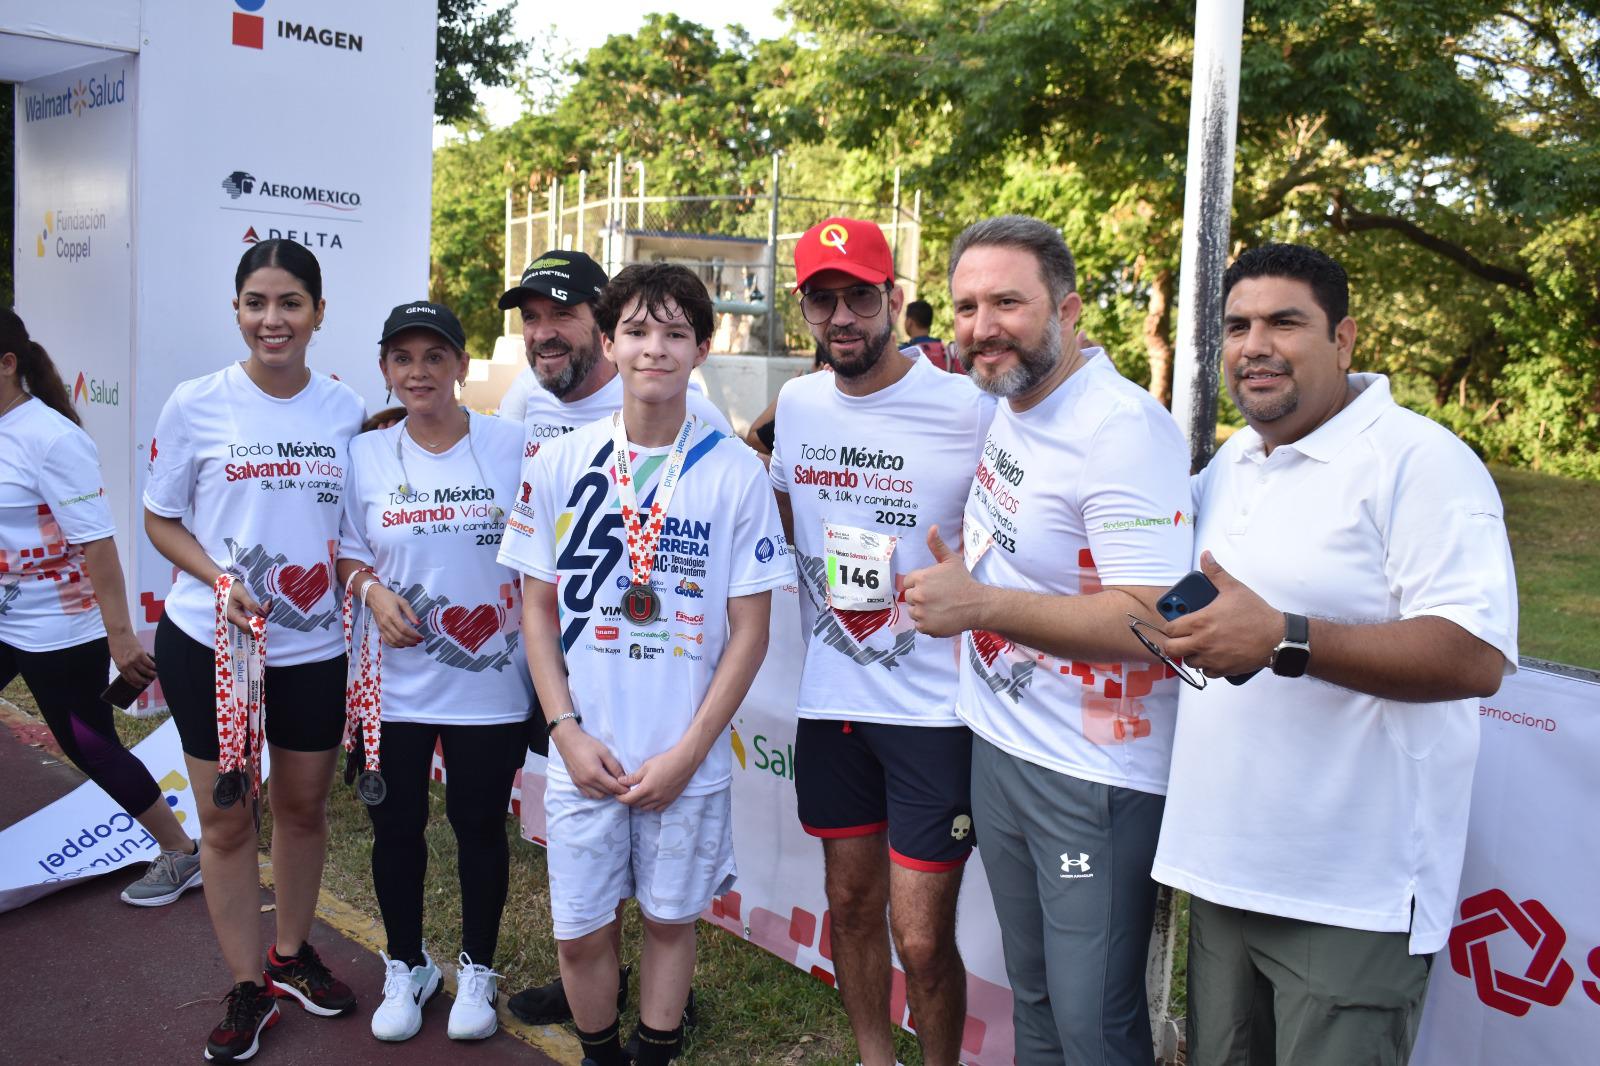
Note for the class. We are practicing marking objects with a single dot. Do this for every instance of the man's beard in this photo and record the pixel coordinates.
(871, 351)
(580, 361)
(1033, 364)
(1266, 409)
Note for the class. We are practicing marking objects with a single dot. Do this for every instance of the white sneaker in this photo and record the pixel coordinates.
(473, 1017)
(405, 990)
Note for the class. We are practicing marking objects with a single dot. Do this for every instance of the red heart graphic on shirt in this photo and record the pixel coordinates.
(989, 645)
(303, 586)
(470, 627)
(862, 624)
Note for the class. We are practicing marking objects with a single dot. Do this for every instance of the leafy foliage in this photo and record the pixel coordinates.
(473, 49)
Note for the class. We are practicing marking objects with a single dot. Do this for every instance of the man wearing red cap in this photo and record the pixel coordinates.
(866, 461)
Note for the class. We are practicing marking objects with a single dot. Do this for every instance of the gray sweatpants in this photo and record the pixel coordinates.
(1068, 863)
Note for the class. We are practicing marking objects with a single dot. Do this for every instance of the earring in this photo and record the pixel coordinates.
(388, 394)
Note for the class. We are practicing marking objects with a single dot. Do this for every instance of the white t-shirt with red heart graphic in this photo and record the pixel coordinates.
(260, 482)
(430, 527)
(895, 463)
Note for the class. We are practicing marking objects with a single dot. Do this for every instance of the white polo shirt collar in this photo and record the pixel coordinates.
(1372, 399)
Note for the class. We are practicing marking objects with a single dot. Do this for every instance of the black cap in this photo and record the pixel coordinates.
(420, 314)
(571, 278)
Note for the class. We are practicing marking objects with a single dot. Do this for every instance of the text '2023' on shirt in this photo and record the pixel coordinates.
(1088, 488)
(896, 462)
(431, 528)
(638, 686)
(260, 483)
(51, 504)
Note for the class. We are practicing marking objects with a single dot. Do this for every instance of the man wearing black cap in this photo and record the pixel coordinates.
(556, 297)
(576, 386)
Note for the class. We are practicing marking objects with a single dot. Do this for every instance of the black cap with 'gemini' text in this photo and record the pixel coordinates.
(571, 278)
(420, 314)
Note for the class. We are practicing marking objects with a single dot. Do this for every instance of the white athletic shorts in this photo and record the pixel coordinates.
(602, 852)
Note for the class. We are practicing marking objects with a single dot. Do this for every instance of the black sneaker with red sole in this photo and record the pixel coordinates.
(251, 1010)
(303, 977)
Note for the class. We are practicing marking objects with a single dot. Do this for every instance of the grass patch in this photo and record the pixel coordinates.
(755, 1009)
(1556, 545)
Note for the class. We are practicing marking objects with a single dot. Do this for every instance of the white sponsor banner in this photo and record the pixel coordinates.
(306, 120)
(85, 834)
(1519, 983)
(73, 257)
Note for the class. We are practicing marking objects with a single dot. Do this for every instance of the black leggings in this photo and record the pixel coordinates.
(66, 684)
(481, 762)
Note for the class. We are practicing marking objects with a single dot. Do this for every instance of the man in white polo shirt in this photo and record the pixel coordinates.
(1317, 813)
(1079, 515)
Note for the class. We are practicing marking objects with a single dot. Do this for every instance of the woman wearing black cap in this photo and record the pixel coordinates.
(247, 469)
(436, 657)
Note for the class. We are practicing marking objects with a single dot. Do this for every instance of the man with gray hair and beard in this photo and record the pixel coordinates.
(1079, 516)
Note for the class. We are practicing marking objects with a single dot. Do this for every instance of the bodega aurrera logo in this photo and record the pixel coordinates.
(242, 183)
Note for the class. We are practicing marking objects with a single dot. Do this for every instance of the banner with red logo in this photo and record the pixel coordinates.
(1519, 983)
(301, 120)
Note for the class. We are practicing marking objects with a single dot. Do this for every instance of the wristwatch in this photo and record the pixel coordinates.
(1293, 653)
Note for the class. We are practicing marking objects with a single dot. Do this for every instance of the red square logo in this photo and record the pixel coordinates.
(248, 30)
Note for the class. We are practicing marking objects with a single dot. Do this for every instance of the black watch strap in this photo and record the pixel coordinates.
(1293, 654)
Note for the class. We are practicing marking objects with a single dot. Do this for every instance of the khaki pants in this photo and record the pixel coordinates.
(1271, 991)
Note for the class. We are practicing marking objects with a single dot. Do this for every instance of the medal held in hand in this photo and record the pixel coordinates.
(241, 660)
(363, 694)
(641, 604)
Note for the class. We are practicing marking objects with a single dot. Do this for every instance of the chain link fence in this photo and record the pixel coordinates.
(742, 246)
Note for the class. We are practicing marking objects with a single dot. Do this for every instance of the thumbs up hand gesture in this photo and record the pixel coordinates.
(943, 599)
(1233, 634)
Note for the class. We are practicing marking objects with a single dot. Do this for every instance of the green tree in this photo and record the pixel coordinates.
(474, 49)
(1432, 146)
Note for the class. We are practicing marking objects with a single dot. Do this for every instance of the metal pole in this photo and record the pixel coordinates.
(894, 224)
(773, 333)
(583, 188)
(510, 264)
(1207, 206)
(551, 221)
(641, 196)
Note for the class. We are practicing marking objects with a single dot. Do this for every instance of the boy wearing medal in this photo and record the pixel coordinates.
(645, 531)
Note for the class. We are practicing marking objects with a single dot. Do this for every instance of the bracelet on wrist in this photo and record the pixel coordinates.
(550, 727)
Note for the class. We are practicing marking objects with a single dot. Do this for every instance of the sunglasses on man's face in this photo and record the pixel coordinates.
(864, 301)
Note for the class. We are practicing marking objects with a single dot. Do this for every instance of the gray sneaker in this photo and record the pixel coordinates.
(170, 874)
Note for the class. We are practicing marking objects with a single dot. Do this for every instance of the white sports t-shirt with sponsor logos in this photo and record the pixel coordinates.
(896, 463)
(260, 482)
(638, 686)
(51, 504)
(1088, 488)
(546, 418)
(435, 545)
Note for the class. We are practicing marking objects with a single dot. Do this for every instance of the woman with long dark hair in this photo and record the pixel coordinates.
(244, 497)
(426, 506)
(63, 607)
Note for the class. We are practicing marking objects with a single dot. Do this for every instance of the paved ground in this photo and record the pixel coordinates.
(91, 980)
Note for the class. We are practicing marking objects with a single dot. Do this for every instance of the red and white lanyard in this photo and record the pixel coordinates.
(644, 536)
(241, 661)
(363, 692)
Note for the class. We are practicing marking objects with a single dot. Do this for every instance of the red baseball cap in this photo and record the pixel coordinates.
(850, 245)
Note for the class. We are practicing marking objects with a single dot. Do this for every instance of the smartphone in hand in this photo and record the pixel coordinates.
(1192, 592)
(122, 692)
